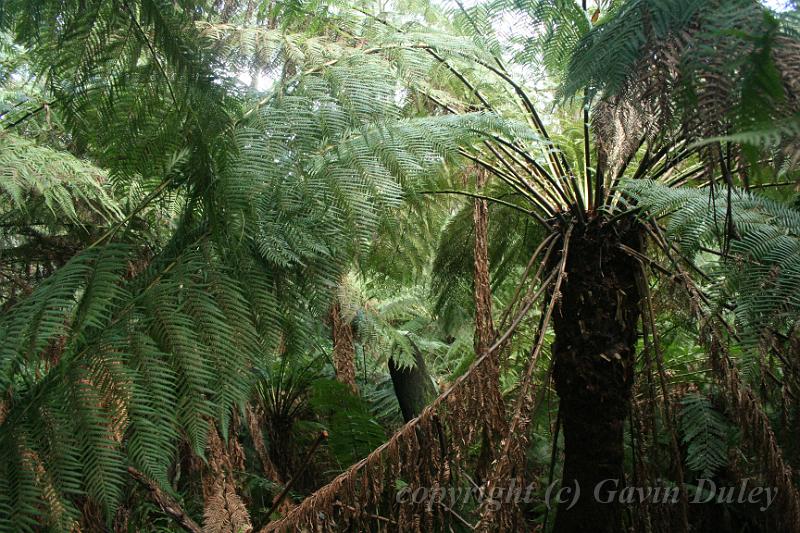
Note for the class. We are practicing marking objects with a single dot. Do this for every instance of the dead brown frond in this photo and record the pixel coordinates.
(508, 465)
(224, 512)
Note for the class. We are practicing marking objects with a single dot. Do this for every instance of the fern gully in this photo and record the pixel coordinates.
(223, 219)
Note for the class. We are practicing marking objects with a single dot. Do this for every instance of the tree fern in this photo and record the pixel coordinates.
(168, 321)
(127, 348)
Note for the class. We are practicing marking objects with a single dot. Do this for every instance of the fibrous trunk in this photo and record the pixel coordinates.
(594, 350)
(484, 336)
(344, 351)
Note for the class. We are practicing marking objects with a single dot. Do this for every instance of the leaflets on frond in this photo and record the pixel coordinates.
(761, 272)
(705, 433)
(38, 180)
(353, 432)
(80, 296)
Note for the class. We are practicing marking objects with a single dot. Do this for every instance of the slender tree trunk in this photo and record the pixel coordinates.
(344, 351)
(485, 333)
(594, 350)
(482, 291)
(412, 386)
(165, 502)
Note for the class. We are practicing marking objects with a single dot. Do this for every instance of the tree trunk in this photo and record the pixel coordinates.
(412, 386)
(494, 421)
(594, 349)
(482, 289)
(344, 350)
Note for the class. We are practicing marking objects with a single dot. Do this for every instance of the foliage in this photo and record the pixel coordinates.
(152, 341)
(761, 273)
(705, 434)
(353, 432)
(188, 187)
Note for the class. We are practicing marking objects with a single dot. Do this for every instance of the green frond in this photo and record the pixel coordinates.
(41, 181)
(606, 58)
(705, 434)
(353, 432)
(762, 272)
(80, 296)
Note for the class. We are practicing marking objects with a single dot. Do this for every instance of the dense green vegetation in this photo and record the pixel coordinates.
(293, 266)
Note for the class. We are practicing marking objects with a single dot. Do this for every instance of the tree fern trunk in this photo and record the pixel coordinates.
(412, 386)
(594, 350)
(484, 331)
(344, 351)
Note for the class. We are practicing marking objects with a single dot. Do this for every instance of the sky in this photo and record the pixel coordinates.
(777, 5)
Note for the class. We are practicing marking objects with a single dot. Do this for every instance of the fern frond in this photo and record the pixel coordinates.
(62, 186)
(704, 432)
(762, 273)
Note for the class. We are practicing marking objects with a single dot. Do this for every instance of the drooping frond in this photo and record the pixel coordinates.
(40, 181)
(114, 375)
(52, 204)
